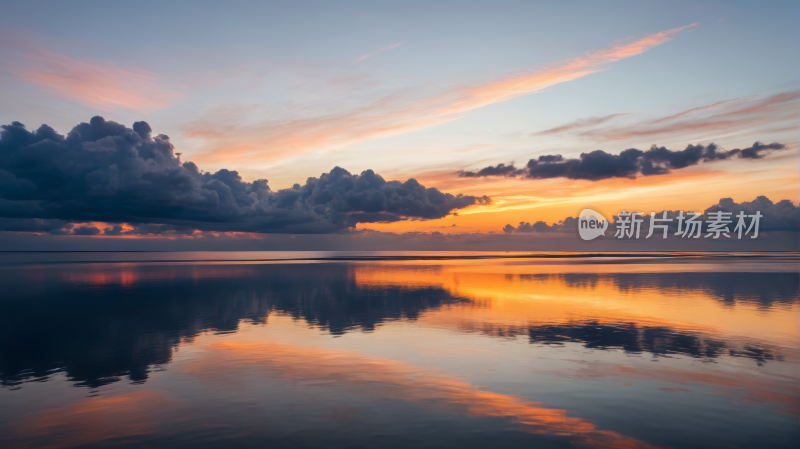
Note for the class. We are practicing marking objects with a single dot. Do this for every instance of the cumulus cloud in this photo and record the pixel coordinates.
(55, 227)
(496, 170)
(780, 216)
(630, 163)
(86, 230)
(102, 171)
(567, 224)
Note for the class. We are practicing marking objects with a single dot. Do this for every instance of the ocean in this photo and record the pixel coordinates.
(399, 349)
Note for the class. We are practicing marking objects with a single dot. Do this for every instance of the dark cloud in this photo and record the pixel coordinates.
(629, 163)
(55, 227)
(498, 170)
(86, 230)
(568, 224)
(103, 171)
(114, 230)
(158, 229)
(780, 216)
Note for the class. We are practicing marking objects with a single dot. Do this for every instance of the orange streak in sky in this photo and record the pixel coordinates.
(565, 71)
(101, 85)
(392, 116)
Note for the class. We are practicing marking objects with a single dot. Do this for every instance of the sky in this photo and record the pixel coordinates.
(434, 91)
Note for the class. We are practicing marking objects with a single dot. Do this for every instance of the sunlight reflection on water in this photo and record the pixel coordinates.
(241, 349)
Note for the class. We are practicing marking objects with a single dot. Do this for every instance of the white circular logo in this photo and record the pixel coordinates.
(591, 224)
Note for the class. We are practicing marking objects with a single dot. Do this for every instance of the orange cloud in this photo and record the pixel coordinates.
(568, 70)
(400, 381)
(278, 141)
(392, 115)
(99, 85)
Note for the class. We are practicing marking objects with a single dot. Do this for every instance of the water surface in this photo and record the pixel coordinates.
(349, 350)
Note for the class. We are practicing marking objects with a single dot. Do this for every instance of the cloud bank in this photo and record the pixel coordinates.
(780, 216)
(105, 172)
(630, 163)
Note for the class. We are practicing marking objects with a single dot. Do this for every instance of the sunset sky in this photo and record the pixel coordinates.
(425, 90)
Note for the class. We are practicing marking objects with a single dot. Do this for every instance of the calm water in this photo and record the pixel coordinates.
(352, 350)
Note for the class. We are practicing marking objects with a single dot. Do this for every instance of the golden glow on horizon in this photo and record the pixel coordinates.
(552, 200)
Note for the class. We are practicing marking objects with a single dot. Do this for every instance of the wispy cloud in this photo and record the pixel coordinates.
(568, 70)
(380, 50)
(692, 111)
(777, 113)
(394, 115)
(272, 142)
(581, 124)
(101, 85)
(724, 116)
